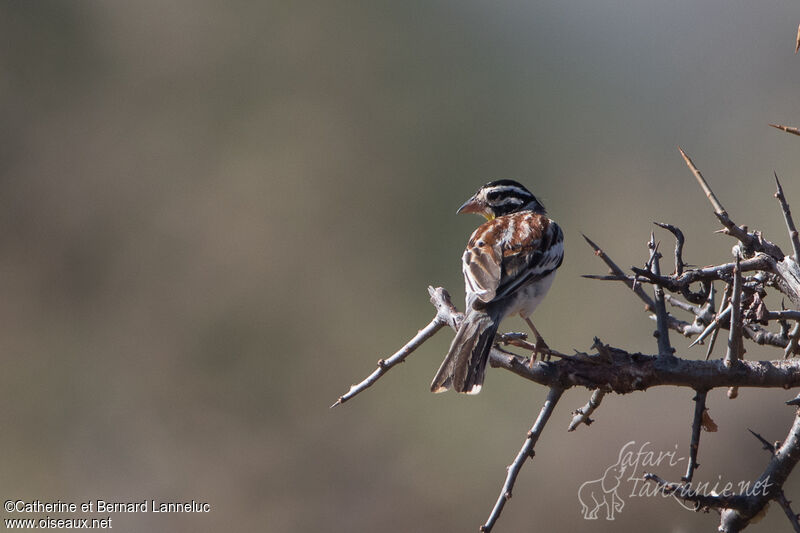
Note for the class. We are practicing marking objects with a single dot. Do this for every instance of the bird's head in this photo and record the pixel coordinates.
(501, 197)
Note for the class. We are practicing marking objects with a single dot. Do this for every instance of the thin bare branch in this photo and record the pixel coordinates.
(783, 314)
(718, 209)
(735, 348)
(771, 480)
(792, 346)
(582, 414)
(445, 314)
(662, 331)
(679, 239)
(767, 444)
(787, 129)
(726, 295)
(694, 443)
(787, 508)
(524, 453)
(753, 242)
(787, 216)
(618, 272)
(718, 272)
(797, 46)
(761, 336)
(713, 326)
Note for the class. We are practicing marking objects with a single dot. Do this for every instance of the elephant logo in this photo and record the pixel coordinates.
(601, 493)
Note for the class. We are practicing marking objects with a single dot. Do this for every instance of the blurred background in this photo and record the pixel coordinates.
(217, 216)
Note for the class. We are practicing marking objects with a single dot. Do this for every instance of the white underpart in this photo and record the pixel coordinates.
(530, 295)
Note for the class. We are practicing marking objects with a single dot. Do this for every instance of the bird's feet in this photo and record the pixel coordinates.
(540, 349)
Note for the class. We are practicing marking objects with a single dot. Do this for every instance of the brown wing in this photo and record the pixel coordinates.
(541, 253)
(482, 260)
(508, 251)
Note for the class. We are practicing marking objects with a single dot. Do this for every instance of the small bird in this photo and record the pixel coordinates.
(508, 266)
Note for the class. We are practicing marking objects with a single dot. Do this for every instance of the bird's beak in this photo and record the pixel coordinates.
(470, 206)
(473, 205)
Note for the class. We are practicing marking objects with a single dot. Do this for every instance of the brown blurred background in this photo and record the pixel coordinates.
(217, 216)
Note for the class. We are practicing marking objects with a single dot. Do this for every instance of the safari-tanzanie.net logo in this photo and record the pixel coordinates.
(625, 479)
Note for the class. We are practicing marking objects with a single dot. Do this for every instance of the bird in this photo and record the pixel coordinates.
(509, 265)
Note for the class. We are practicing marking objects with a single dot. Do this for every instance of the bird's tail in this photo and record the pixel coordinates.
(464, 367)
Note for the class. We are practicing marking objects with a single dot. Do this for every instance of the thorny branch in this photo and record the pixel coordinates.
(694, 444)
(759, 266)
(524, 453)
(582, 414)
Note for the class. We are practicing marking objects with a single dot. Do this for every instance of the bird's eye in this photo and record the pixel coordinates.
(492, 196)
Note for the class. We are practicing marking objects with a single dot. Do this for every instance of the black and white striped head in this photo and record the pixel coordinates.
(501, 197)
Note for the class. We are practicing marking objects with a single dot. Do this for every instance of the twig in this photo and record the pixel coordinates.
(696, 310)
(787, 129)
(637, 289)
(771, 481)
(787, 216)
(694, 444)
(792, 345)
(712, 273)
(662, 331)
(679, 264)
(783, 314)
(761, 336)
(582, 414)
(726, 294)
(797, 46)
(735, 349)
(767, 444)
(524, 453)
(718, 209)
(713, 326)
(445, 313)
(790, 514)
(751, 241)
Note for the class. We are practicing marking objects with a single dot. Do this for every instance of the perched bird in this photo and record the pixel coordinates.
(508, 266)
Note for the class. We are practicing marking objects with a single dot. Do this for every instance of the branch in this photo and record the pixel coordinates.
(772, 479)
(446, 314)
(786, 506)
(787, 216)
(712, 273)
(623, 372)
(797, 46)
(718, 209)
(524, 453)
(735, 349)
(787, 129)
(617, 271)
(752, 242)
(582, 414)
(679, 264)
(792, 346)
(694, 444)
(662, 331)
(726, 294)
(737, 510)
